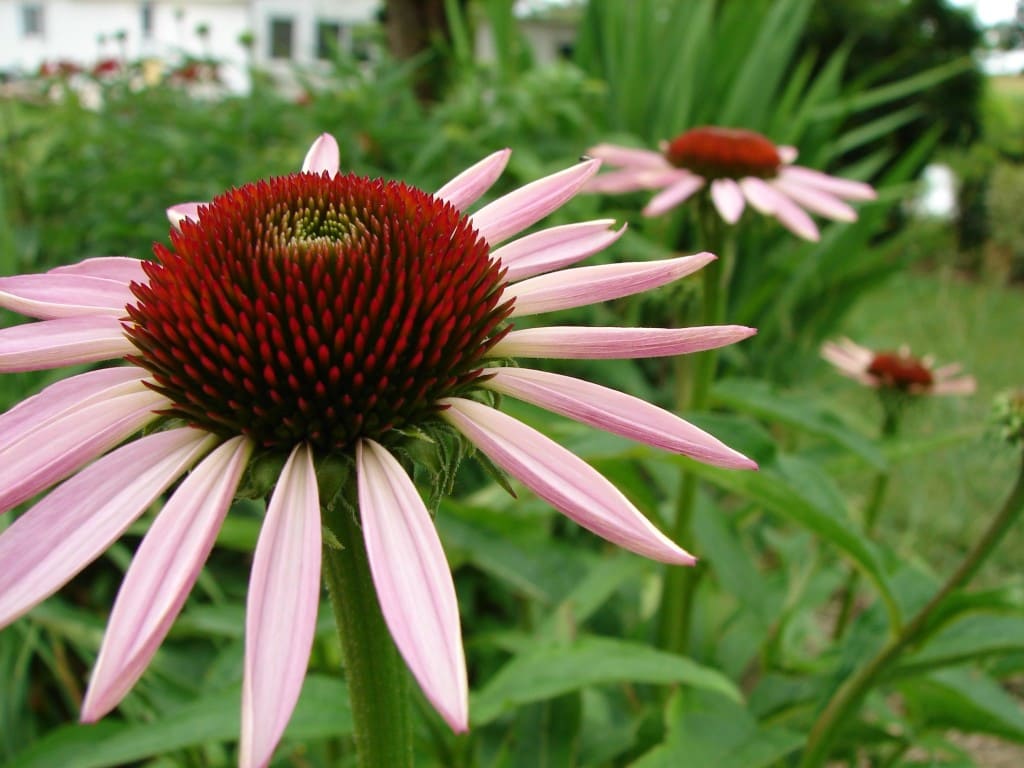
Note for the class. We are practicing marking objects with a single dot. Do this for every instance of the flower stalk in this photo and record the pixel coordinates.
(851, 693)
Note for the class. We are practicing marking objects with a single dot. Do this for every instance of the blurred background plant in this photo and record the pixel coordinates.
(559, 630)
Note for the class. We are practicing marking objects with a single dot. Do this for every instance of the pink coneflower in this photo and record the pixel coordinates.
(897, 370)
(303, 316)
(741, 166)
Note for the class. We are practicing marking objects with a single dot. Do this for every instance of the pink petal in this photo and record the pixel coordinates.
(323, 156)
(773, 202)
(582, 343)
(614, 412)
(555, 247)
(628, 157)
(845, 188)
(413, 581)
(632, 179)
(162, 573)
(62, 397)
(787, 154)
(963, 385)
(65, 341)
(178, 213)
(284, 594)
(726, 195)
(49, 295)
(72, 526)
(816, 200)
(562, 479)
(120, 268)
(46, 455)
(849, 358)
(590, 285)
(517, 210)
(674, 195)
(466, 188)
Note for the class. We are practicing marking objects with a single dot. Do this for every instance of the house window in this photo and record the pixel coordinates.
(281, 38)
(32, 20)
(146, 11)
(328, 39)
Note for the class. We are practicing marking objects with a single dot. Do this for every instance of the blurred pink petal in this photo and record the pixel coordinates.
(77, 521)
(767, 199)
(613, 154)
(413, 581)
(162, 573)
(816, 200)
(844, 188)
(726, 195)
(284, 594)
(555, 247)
(323, 156)
(65, 341)
(562, 479)
(633, 179)
(579, 287)
(178, 213)
(529, 204)
(48, 296)
(36, 460)
(614, 412)
(120, 268)
(584, 343)
(466, 188)
(673, 195)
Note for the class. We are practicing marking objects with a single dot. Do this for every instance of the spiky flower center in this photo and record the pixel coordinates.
(311, 308)
(729, 153)
(900, 371)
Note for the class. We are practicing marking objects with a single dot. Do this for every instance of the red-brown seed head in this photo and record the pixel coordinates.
(319, 309)
(717, 153)
(900, 371)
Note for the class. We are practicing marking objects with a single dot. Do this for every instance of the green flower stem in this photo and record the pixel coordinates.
(692, 395)
(377, 678)
(890, 427)
(843, 706)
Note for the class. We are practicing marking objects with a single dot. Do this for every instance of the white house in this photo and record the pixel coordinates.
(84, 32)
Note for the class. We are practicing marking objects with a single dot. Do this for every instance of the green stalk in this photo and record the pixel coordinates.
(377, 678)
(844, 704)
(680, 584)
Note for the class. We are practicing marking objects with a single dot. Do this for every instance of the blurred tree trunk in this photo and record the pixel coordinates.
(416, 26)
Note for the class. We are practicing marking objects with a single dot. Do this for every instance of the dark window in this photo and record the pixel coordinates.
(146, 10)
(281, 35)
(31, 20)
(328, 39)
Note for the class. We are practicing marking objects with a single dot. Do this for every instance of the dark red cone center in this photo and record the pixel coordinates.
(309, 308)
(729, 153)
(900, 371)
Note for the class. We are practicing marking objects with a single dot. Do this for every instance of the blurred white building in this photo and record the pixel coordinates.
(268, 33)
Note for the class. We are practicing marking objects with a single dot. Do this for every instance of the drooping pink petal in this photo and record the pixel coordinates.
(848, 357)
(64, 396)
(178, 213)
(959, 385)
(162, 573)
(280, 618)
(628, 157)
(48, 296)
(323, 155)
(413, 582)
(844, 188)
(78, 520)
(787, 154)
(816, 200)
(65, 341)
(672, 196)
(562, 479)
(589, 285)
(123, 269)
(517, 210)
(614, 412)
(466, 188)
(632, 179)
(769, 200)
(51, 452)
(728, 199)
(555, 247)
(582, 343)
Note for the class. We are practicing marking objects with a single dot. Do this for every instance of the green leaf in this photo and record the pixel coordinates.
(705, 729)
(553, 670)
(966, 699)
(968, 638)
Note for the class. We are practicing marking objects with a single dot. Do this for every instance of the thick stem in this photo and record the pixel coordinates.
(692, 394)
(844, 704)
(377, 678)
